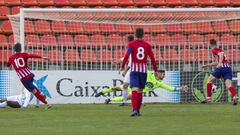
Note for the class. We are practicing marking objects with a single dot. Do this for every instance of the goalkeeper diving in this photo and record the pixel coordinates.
(151, 84)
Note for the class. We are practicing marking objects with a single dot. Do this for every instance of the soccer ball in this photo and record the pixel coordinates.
(214, 88)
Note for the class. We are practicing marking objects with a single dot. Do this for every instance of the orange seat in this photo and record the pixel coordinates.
(233, 55)
(12, 2)
(234, 26)
(87, 55)
(66, 41)
(98, 40)
(123, 28)
(174, 2)
(228, 39)
(61, 3)
(187, 55)
(16, 10)
(6, 27)
(11, 40)
(29, 27)
(205, 27)
(72, 55)
(170, 55)
(29, 2)
(151, 15)
(142, 2)
(211, 36)
(221, 2)
(115, 40)
(75, 27)
(220, 26)
(110, 2)
(149, 38)
(5, 55)
(190, 2)
(235, 2)
(82, 40)
(104, 55)
(91, 28)
(4, 10)
(206, 2)
(190, 27)
(78, 2)
(173, 28)
(163, 40)
(59, 27)
(107, 28)
(158, 55)
(158, 28)
(49, 41)
(178, 39)
(32, 41)
(3, 41)
(158, 2)
(42, 26)
(46, 2)
(94, 2)
(118, 54)
(2, 2)
(195, 40)
(126, 2)
(203, 55)
(55, 56)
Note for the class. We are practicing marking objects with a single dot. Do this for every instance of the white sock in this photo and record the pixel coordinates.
(3, 104)
(125, 95)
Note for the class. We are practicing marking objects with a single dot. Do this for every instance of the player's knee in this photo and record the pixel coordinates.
(125, 86)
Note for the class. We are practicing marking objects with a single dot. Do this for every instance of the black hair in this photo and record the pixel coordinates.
(139, 33)
(17, 47)
(161, 70)
(213, 42)
(130, 38)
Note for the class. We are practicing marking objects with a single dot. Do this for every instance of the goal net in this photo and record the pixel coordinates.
(91, 39)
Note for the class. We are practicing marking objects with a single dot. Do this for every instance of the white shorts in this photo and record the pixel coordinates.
(15, 99)
(127, 77)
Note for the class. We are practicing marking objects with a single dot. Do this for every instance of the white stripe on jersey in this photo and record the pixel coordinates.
(22, 75)
(28, 71)
(24, 72)
(137, 65)
(19, 75)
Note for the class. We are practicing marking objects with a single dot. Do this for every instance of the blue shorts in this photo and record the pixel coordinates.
(138, 79)
(224, 72)
(28, 84)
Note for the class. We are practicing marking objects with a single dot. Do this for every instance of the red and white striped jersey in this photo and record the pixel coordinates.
(19, 62)
(224, 62)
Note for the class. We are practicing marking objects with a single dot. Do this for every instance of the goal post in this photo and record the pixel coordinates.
(91, 39)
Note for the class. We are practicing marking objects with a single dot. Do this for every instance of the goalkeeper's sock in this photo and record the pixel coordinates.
(134, 100)
(117, 99)
(232, 90)
(39, 96)
(140, 97)
(3, 104)
(209, 89)
(107, 91)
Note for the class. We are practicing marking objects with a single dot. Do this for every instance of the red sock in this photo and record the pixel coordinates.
(209, 89)
(39, 96)
(140, 97)
(232, 90)
(134, 100)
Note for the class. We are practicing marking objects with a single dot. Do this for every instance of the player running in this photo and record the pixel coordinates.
(151, 84)
(139, 50)
(222, 70)
(19, 62)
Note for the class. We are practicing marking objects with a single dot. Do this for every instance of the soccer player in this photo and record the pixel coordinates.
(125, 74)
(222, 70)
(19, 62)
(139, 50)
(151, 84)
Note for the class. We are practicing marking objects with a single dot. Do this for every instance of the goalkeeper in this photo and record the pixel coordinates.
(151, 84)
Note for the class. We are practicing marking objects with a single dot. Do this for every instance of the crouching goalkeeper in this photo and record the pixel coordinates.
(151, 84)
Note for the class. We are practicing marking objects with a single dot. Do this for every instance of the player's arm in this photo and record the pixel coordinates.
(165, 86)
(37, 56)
(125, 58)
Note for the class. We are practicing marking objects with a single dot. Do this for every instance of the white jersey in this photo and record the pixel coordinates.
(127, 76)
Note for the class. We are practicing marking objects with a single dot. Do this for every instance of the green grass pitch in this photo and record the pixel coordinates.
(156, 119)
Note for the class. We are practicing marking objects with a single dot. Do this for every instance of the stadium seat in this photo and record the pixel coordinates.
(3, 41)
(206, 2)
(124, 28)
(141, 2)
(94, 3)
(118, 54)
(157, 28)
(190, 3)
(234, 26)
(174, 28)
(213, 15)
(202, 55)
(173, 2)
(148, 15)
(104, 55)
(163, 40)
(178, 40)
(29, 27)
(78, 2)
(75, 27)
(13, 2)
(170, 55)
(42, 26)
(59, 27)
(88, 55)
(190, 27)
(5, 54)
(220, 26)
(61, 3)
(4, 11)
(66, 41)
(29, 2)
(126, 2)
(235, 3)
(205, 27)
(195, 40)
(208, 37)
(114, 40)
(6, 27)
(187, 55)
(107, 28)
(110, 2)
(233, 55)
(15, 10)
(46, 2)
(98, 40)
(158, 55)
(228, 39)
(91, 28)
(222, 2)
(32, 41)
(72, 55)
(158, 2)
(49, 41)
(2, 2)
(149, 38)
(56, 56)
(82, 40)
(11, 40)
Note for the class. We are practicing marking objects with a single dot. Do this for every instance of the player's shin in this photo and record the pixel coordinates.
(209, 90)
(140, 97)
(232, 91)
(134, 100)
(39, 96)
